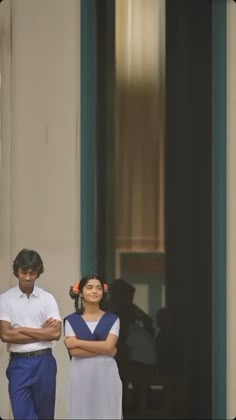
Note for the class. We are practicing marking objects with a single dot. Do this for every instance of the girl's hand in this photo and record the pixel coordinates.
(114, 352)
(71, 342)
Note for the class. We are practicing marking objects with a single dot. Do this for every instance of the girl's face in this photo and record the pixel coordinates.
(92, 291)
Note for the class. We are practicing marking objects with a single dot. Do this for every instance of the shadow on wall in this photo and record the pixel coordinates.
(5, 412)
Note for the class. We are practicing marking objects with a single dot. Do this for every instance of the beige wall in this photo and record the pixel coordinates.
(40, 143)
(231, 209)
(5, 151)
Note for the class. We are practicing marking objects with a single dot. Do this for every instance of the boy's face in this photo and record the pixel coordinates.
(26, 278)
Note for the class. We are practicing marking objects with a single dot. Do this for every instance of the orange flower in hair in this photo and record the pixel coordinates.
(105, 286)
(76, 288)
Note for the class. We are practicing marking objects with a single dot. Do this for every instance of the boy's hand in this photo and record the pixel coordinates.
(50, 323)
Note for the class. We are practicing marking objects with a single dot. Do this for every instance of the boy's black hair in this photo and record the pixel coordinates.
(28, 259)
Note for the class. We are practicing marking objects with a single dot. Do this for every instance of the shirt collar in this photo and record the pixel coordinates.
(34, 293)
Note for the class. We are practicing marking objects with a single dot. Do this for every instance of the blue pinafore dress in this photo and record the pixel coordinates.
(94, 388)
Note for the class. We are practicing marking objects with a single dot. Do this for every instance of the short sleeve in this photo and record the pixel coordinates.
(52, 307)
(4, 310)
(69, 332)
(115, 329)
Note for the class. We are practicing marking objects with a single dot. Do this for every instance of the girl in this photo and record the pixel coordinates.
(91, 334)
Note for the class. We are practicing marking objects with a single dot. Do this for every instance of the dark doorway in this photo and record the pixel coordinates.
(189, 195)
(188, 204)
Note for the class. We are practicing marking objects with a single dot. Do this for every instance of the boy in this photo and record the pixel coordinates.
(29, 324)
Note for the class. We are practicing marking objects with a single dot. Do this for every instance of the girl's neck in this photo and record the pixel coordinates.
(92, 311)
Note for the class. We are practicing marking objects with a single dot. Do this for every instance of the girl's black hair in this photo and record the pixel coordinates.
(82, 283)
(28, 259)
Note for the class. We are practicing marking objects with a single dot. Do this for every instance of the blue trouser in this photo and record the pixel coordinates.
(32, 386)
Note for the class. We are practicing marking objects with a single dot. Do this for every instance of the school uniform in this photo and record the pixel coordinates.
(32, 368)
(94, 388)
